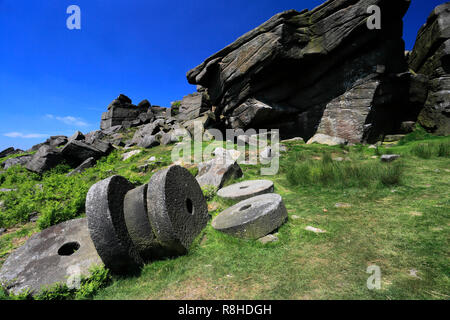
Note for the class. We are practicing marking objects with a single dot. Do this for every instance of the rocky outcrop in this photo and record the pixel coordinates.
(44, 159)
(431, 59)
(191, 107)
(9, 151)
(122, 112)
(320, 71)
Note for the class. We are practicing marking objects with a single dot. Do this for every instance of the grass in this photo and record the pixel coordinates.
(396, 217)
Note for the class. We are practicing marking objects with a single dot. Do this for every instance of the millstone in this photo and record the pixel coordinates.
(177, 209)
(138, 224)
(49, 257)
(253, 218)
(245, 190)
(106, 221)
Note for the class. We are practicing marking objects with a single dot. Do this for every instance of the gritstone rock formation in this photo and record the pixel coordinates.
(320, 71)
(431, 60)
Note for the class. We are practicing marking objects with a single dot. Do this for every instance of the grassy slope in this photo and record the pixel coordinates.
(397, 228)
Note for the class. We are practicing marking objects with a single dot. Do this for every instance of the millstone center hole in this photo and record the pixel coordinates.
(244, 187)
(68, 249)
(245, 207)
(189, 206)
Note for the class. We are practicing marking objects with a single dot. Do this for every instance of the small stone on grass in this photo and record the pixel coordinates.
(315, 230)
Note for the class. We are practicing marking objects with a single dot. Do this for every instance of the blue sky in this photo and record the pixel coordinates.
(55, 81)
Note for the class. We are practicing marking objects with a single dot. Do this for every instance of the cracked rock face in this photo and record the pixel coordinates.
(431, 57)
(298, 70)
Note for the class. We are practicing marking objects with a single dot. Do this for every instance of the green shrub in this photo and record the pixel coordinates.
(431, 149)
(419, 133)
(209, 192)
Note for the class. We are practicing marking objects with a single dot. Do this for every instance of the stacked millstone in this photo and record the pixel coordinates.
(125, 227)
(132, 225)
(259, 212)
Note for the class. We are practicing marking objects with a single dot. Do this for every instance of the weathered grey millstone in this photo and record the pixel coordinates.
(177, 209)
(138, 224)
(104, 210)
(50, 257)
(253, 218)
(245, 190)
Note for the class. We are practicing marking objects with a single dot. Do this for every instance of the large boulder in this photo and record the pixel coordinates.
(320, 71)
(44, 159)
(76, 152)
(431, 57)
(122, 111)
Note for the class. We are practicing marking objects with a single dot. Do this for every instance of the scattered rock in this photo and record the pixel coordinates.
(296, 139)
(2, 231)
(89, 163)
(50, 257)
(7, 190)
(33, 217)
(245, 190)
(328, 140)
(268, 239)
(23, 160)
(218, 171)
(343, 205)
(394, 138)
(130, 154)
(294, 217)
(253, 218)
(413, 273)
(152, 159)
(107, 227)
(149, 141)
(389, 157)
(227, 153)
(315, 230)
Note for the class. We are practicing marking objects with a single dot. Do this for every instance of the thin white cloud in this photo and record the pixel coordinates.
(69, 120)
(25, 135)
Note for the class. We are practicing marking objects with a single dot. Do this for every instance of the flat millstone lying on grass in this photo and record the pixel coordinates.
(245, 190)
(106, 221)
(177, 209)
(253, 218)
(50, 257)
